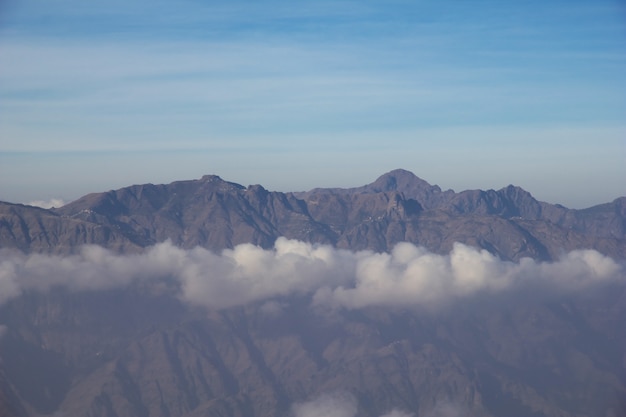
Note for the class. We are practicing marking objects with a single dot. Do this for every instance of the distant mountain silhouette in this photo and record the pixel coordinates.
(398, 206)
(135, 351)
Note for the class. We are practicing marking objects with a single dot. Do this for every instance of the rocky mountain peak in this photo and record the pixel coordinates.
(216, 181)
(400, 180)
(516, 193)
(211, 178)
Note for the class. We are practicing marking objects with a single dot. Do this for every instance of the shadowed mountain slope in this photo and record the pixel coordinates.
(35, 229)
(397, 207)
(120, 353)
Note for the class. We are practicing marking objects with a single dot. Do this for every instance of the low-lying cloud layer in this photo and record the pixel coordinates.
(335, 405)
(408, 276)
(53, 202)
(328, 405)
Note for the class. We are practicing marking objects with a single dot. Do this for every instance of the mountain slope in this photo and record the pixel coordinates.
(397, 207)
(208, 212)
(165, 359)
(34, 229)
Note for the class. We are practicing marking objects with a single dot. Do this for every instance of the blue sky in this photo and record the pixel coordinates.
(293, 95)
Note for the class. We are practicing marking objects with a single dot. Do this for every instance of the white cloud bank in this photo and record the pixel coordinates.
(408, 276)
(335, 405)
(327, 405)
(53, 202)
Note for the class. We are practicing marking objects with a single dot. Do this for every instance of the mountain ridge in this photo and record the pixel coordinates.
(398, 206)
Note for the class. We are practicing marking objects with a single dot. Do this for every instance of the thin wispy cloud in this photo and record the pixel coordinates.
(213, 91)
(433, 68)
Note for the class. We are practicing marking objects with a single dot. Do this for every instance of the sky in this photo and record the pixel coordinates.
(295, 95)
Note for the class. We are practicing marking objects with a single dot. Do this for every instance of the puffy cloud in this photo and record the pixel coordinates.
(398, 413)
(9, 286)
(272, 308)
(408, 276)
(53, 202)
(336, 404)
(327, 405)
(248, 273)
(93, 268)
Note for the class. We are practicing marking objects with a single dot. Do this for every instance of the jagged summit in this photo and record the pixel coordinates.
(399, 179)
(397, 206)
(402, 181)
(411, 186)
(211, 178)
(217, 180)
(396, 180)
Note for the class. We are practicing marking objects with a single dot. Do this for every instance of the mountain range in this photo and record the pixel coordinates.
(397, 207)
(495, 336)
